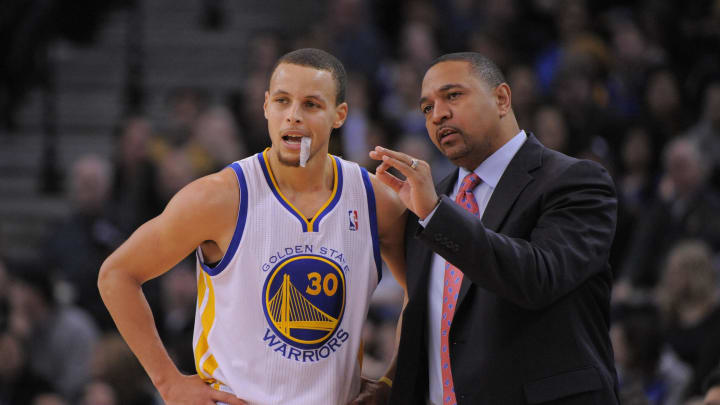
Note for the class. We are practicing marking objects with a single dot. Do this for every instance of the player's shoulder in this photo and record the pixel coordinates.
(216, 184)
(214, 193)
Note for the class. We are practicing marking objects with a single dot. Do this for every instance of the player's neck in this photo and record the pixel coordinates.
(316, 176)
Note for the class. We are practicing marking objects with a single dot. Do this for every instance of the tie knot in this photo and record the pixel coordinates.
(469, 183)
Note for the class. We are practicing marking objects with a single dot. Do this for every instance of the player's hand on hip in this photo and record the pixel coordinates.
(192, 390)
(417, 191)
(372, 393)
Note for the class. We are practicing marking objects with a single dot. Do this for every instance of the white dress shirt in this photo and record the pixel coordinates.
(490, 172)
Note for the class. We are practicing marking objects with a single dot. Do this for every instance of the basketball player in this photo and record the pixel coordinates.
(288, 246)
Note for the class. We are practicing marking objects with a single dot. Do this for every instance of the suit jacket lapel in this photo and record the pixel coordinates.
(446, 185)
(512, 182)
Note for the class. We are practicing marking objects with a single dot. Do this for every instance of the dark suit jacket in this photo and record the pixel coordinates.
(532, 319)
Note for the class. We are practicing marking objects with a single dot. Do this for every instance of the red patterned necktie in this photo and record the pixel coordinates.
(453, 279)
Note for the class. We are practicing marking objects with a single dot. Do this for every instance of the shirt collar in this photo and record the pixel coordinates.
(494, 166)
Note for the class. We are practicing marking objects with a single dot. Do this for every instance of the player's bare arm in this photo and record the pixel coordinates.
(201, 214)
(392, 215)
(391, 225)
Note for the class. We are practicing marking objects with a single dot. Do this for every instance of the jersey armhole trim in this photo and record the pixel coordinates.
(373, 221)
(239, 226)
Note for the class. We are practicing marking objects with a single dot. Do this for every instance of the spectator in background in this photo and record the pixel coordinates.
(99, 393)
(4, 295)
(77, 248)
(214, 142)
(247, 107)
(17, 382)
(184, 105)
(644, 362)
(48, 398)
(551, 127)
(486, 42)
(574, 94)
(352, 37)
(175, 170)
(688, 297)
(399, 105)
(179, 298)
(209, 140)
(134, 194)
(459, 18)
(114, 364)
(59, 339)
(636, 183)
(399, 77)
(378, 343)
(636, 189)
(572, 22)
(707, 130)
(418, 45)
(632, 57)
(712, 388)
(664, 114)
(685, 208)
(264, 49)
(525, 94)
(356, 131)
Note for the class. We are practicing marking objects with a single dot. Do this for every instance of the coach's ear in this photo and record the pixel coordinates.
(503, 97)
(341, 112)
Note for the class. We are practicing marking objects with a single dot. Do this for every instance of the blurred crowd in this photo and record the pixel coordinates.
(632, 85)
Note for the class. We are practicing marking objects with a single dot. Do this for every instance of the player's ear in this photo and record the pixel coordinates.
(341, 112)
(265, 104)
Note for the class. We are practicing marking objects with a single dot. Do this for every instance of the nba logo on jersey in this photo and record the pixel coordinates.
(353, 217)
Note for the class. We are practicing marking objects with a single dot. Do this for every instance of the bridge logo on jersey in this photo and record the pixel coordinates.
(304, 300)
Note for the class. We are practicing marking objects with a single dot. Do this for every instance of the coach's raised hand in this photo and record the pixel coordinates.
(417, 191)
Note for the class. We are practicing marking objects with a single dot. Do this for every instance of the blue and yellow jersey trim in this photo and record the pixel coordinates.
(372, 210)
(239, 225)
(313, 224)
(205, 362)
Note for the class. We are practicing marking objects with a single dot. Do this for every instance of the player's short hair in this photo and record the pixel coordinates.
(482, 66)
(321, 60)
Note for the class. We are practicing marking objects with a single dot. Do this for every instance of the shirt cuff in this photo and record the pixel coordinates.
(424, 222)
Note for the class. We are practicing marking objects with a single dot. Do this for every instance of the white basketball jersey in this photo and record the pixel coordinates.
(279, 319)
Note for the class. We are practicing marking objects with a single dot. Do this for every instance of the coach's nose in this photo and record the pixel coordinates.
(440, 112)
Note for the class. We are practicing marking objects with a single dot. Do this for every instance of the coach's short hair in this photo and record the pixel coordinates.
(482, 66)
(321, 60)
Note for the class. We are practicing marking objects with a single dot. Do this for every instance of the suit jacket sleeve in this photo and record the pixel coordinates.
(556, 236)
